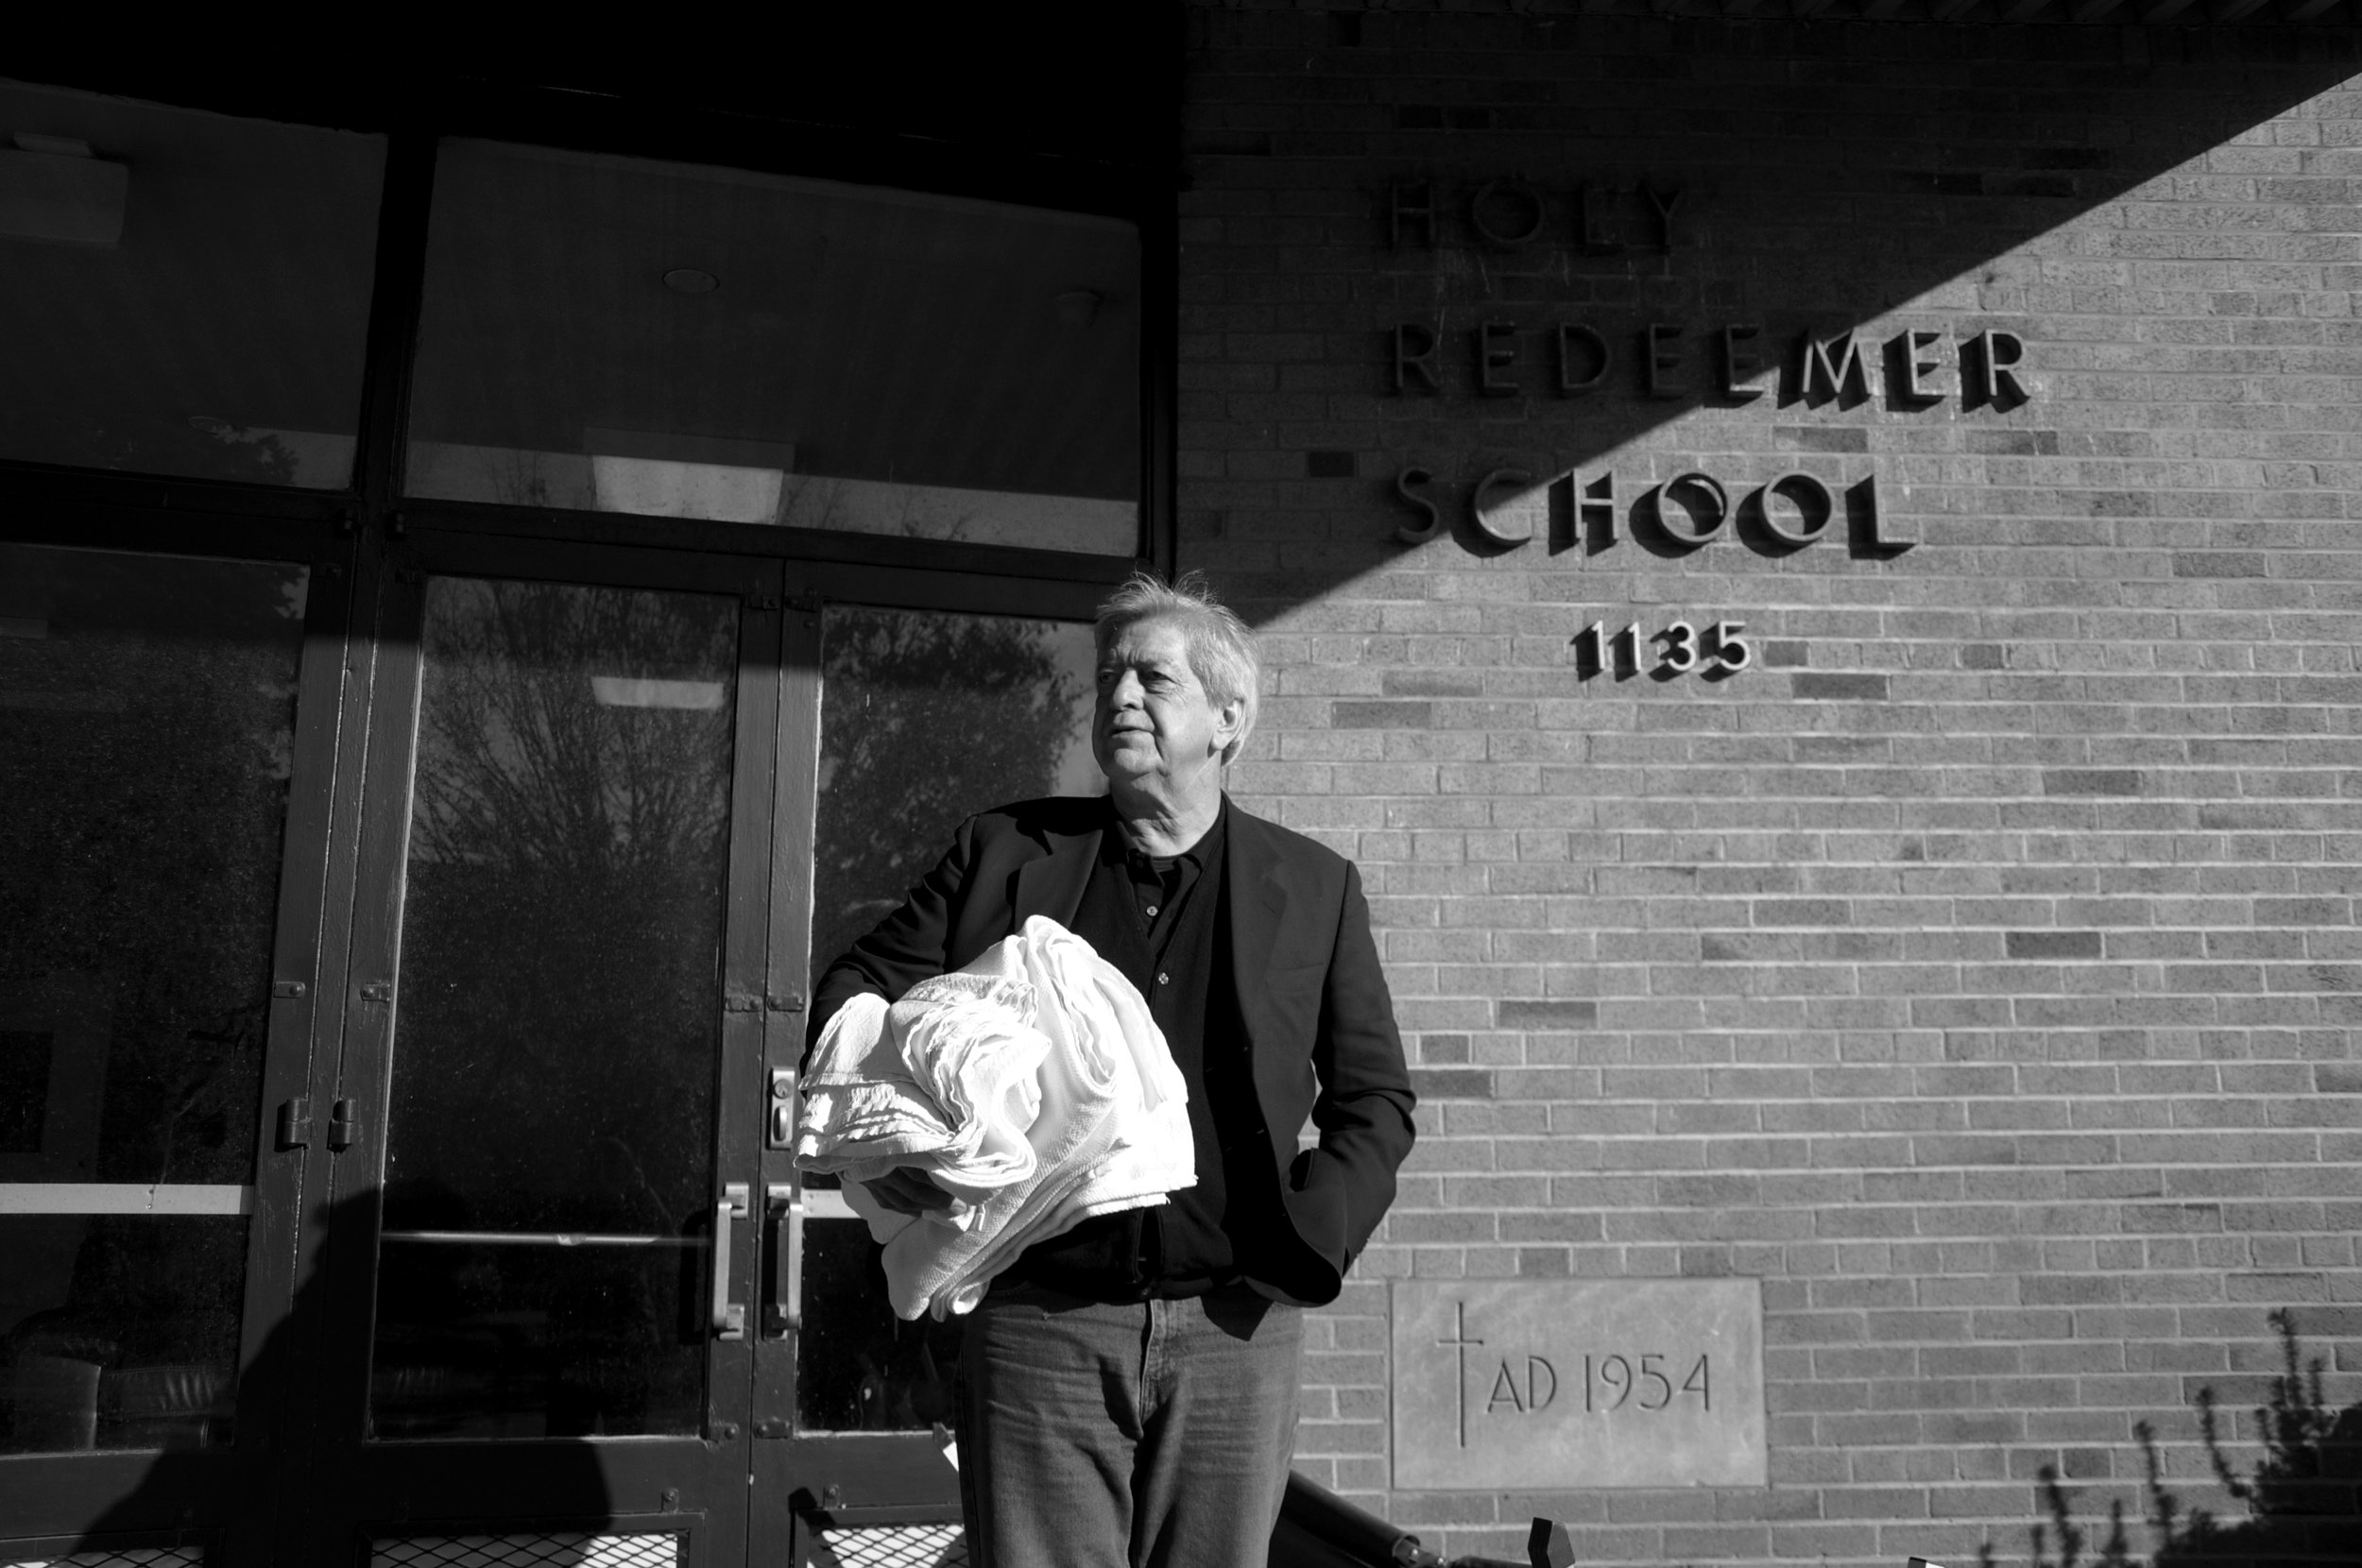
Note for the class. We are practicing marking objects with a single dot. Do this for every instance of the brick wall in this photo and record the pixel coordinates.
(1978, 968)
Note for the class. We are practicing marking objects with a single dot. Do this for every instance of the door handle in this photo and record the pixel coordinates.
(787, 1259)
(780, 1134)
(729, 1317)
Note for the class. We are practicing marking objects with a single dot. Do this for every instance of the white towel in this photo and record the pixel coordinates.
(1033, 1085)
(969, 1040)
(860, 1101)
(944, 1079)
(1102, 1024)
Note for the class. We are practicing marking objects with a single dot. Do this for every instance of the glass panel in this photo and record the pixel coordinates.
(146, 731)
(925, 719)
(858, 1366)
(622, 335)
(550, 1160)
(182, 293)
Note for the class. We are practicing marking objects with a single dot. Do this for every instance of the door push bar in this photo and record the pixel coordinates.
(785, 1212)
(729, 1317)
(786, 1206)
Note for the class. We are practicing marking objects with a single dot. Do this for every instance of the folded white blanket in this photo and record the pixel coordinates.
(1033, 1086)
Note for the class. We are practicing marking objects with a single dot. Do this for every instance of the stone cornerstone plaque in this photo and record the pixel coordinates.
(1578, 1383)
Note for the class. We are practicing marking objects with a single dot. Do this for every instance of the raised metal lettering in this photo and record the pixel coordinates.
(1577, 341)
(1481, 515)
(1736, 368)
(1408, 202)
(1812, 500)
(1414, 355)
(1659, 360)
(1705, 523)
(1818, 375)
(1514, 190)
(1994, 352)
(1915, 364)
(1497, 349)
(1406, 485)
(1663, 201)
(1588, 198)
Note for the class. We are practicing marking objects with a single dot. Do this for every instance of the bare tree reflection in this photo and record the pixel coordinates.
(146, 726)
(561, 936)
(926, 720)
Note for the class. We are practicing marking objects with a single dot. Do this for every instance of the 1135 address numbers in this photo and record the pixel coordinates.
(1717, 650)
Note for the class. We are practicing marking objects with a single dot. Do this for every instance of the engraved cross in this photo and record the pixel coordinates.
(1459, 1338)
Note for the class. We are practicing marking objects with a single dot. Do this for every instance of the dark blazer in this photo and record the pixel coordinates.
(1319, 1022)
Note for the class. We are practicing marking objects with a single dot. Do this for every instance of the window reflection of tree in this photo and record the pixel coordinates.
(144, 760)
(926, 720)
(561, 947)
(563, 934)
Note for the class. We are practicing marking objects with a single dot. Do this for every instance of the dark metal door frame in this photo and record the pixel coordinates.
(798, 1477)
(694, 1484)
(338, 911)
(219, 1497)
(310, 1289)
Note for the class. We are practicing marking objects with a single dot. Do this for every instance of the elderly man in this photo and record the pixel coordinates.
(1128, 1390)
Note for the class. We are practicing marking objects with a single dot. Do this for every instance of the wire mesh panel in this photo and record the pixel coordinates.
(134, 1557)
(557, 1549)
(890, 1546)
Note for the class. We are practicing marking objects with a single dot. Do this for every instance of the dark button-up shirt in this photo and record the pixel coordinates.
(1160, 920)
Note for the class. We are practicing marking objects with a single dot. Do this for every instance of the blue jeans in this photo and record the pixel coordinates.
(1154, 1434)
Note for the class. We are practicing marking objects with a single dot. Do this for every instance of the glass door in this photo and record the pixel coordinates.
(185, 298)
(395, 1017)
(167, 729)
(918, 720)
(542, 1329)
(583, 1310)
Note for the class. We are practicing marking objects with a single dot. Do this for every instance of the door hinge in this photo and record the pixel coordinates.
(378, 991)
(772, 1426)
(287, 990)
(787, 1001)
(295, 1122)
(344, 1125)
(741, 1001)
(762, 600)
